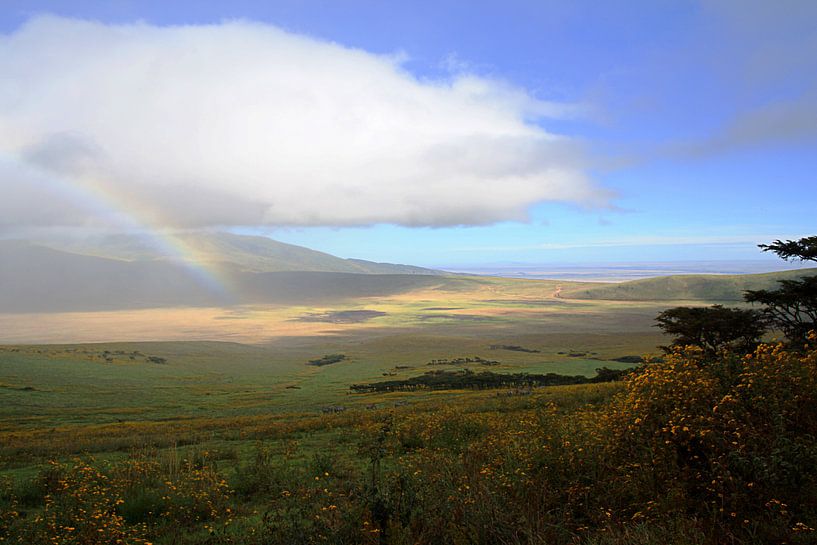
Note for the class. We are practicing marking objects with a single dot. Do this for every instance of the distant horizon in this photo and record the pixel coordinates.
(624, 271)
(551, 267)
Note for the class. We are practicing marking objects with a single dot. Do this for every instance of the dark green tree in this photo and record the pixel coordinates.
(792, 307)
(713, 329)
(804, 249)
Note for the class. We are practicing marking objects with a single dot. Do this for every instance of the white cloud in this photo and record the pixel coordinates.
(245, 124)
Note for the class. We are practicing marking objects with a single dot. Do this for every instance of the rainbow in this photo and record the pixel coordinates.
(122, 213)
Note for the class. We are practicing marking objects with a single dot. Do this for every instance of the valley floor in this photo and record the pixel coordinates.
(238, 424)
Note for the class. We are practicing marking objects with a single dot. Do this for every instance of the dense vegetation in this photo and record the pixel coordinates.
(792, 306)
(467, 379)
(791, 309)
(692, 450)
(714, 443)
(328, 359)
(463, 361)
(514, 348)
(714, 328)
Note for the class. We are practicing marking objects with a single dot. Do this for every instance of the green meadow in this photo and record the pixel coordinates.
(238, 425)
(394, 337)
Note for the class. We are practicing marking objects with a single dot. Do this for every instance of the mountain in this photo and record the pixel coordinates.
(127, 274)
(688, 287)
(247, 253)
(39, 279)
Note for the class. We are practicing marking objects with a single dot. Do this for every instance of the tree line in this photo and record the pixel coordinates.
(790, 309)
(469, 380)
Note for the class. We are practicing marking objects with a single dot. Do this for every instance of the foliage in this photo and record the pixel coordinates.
(467, 379)
(712, 329)
(792, 307)
(79, 508)
(88, 503)
(804, 249)
(732, 441)
(463, 361)
(697, 449)
(328, 359)
(514, 348)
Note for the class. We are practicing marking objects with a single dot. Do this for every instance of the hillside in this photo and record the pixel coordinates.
(38, 279)
(247, 253)
(693, 287)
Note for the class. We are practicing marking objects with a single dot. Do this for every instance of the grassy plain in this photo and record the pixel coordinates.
(233, 387)
(252, 360)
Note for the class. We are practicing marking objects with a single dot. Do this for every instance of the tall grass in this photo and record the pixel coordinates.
(692, 450)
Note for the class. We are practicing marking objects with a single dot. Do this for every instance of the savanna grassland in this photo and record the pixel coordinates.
(238, 425)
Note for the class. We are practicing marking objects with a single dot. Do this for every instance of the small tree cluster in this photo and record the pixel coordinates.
(714, 328)
(790, 309)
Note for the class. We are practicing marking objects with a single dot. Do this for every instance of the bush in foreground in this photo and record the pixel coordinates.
(696, 449)
(717, 448)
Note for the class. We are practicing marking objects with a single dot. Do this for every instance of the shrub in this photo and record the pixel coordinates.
(733, 440)
(80, 507)
(266, 475)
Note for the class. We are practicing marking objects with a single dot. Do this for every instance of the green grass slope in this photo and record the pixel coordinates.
(247, 253)
(39, 279)
(697, 287)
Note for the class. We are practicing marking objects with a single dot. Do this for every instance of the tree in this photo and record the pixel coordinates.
(792, 307)
(804, 249)
(713, 329)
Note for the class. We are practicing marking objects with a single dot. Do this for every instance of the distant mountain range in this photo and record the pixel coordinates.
(129, 272)
(121, 272)
(244, 252)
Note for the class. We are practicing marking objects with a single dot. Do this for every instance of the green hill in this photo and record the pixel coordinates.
(691, 287)
(246, 253)
(39, 279)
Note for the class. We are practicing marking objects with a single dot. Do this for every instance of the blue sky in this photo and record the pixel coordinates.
(698, 119)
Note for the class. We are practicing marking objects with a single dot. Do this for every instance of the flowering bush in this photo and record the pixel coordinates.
(80, 508)
(734, 438)
(696, 449)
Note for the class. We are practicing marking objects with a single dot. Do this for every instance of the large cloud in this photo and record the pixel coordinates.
(243, 123)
